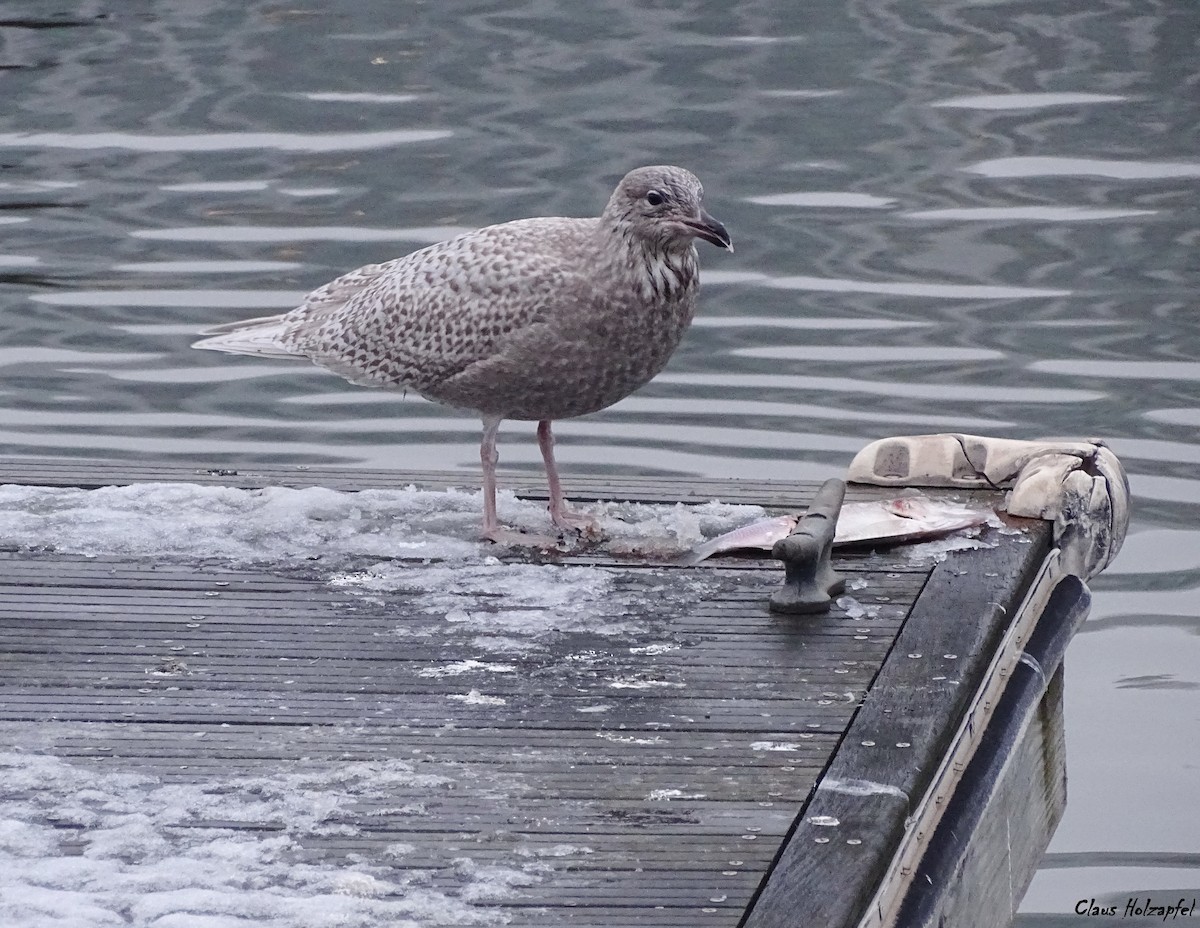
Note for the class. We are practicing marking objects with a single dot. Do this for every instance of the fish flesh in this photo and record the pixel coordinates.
(905, 519)
(894, 521)
(761, 534)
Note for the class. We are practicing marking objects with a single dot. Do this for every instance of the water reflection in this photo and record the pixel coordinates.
(232, 266)
(847, 324)
(268, 234)
(243, 299)
(1048, 166)
(1027, 214)
(218, 186)
(330, 96)
(866, 354)
(224, 141)
(1120, 370)
(1025, 101)
(828, 198)
(906, 288)
(964, 393)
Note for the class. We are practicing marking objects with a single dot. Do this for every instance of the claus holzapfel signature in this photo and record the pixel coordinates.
(1139, 907)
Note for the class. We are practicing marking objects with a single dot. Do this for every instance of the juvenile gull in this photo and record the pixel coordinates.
(537, 319)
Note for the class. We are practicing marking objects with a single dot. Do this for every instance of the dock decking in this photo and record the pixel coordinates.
(681, 762)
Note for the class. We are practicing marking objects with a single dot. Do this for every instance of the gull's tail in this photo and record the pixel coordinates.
(262, 338)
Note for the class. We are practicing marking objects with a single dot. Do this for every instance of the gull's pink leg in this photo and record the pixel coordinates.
(560, 515)
(492, 529)
(488, 457)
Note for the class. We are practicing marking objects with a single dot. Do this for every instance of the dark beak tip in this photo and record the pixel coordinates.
(711, 230)
(717, 234)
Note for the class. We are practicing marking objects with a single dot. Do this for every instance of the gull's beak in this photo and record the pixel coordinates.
(711, 230)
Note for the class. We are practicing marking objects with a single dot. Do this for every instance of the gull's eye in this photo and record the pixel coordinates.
(654, 198)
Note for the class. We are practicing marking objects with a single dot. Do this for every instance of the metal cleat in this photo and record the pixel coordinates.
(810, 582)
(1079, 485)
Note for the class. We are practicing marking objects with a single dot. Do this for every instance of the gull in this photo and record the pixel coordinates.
(536, 319)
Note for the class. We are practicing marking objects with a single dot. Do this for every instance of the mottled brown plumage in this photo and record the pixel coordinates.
(536, 319)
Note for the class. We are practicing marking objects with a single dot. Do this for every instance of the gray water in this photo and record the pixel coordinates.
(958, 215)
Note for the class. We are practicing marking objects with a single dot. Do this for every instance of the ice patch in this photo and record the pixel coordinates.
(640, 683)
(509, 607)
(654, 649)
(856, 610)
(285, 525)
(276, 524)
(491, 882)
(457, 668)
(360, 884)
(663, 531)
(629, 739)
(666, 795)
(476, 698)
(556, 850)
(419, 544)
(88, 848)
(938, 548)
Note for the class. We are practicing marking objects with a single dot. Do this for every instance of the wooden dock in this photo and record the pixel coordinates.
(713, 764)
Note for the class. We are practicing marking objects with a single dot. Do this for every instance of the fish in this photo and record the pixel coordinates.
(894, 521)
(905, 519)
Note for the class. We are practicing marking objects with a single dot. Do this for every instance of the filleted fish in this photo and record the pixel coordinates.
(893, 521)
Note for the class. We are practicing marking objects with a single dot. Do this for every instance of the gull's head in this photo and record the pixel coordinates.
(662, 206)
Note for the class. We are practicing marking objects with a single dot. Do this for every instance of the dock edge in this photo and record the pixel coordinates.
(932, 850)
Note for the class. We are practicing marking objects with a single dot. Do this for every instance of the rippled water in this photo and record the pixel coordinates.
(948, 216)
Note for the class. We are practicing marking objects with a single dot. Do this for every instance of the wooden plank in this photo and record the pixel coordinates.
(636, 713)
